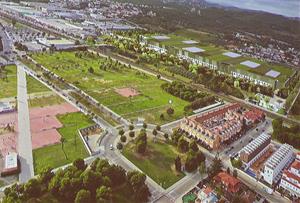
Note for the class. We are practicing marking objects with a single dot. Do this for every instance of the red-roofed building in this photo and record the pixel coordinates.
(215, 127)
(290, 179)
(254, 116)
(229, 183)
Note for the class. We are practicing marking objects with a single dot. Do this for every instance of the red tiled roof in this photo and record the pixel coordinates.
(228, 180)
(296, 165)
(291, 176)
(208, 190)
(220, 111)
(254, 114)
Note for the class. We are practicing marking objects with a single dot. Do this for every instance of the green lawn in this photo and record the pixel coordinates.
(34, 86)
(45, 101)
(158, 163)
(53, 155)
(9, 85)
(101, 85)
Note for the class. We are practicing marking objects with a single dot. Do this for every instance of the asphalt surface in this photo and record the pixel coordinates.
(24, 136)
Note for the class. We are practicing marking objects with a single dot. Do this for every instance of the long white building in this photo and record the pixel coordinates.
(255, 149)
(290, 180)
(280, 160)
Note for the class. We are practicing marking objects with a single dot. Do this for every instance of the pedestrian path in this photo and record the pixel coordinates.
(24, 136)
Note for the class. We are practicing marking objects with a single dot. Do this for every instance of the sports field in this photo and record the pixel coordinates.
(8, 82)
(53, 155)
(150, 102)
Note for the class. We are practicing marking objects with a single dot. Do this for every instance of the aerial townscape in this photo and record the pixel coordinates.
(161, 101)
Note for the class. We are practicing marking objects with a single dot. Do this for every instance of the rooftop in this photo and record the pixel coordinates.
(193, 49)
(250, 64)
(273, 73)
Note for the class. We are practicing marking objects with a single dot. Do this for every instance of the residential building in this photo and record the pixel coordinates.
(290, 180)
(254, 116)
(275, 165)
(228, 182)
(255, 149)
(215, 127)
(207, 195)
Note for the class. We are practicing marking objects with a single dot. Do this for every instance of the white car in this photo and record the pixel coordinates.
(111, 147)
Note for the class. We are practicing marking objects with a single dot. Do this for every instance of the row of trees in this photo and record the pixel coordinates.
(284, 134)
(194, 156)
(183, 91)
(81, 184)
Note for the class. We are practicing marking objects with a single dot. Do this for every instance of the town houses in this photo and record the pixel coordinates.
(215, 127)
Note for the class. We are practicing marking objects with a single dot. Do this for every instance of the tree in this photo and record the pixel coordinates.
(104, 194)
(170, 111)
(202, 168)
(237, 163)
(191, 162)
(162, 116)
(194, 146)
(141, 147)
(145, 125)
(123, 138)
(121, 132)
(131, 134)
(32, 188)
(154, 132)
(228, 170)
(46, 175)
(91, 70)
(140, 189)
(176, 136)
(119, 146)
(183, 145)
(158, 128)
(91, 180)
(79, 164)
(62, 141)
(131, 127)
(83, 196)
(178, 163)
(77, 42)
(235, 173)
(166, 136)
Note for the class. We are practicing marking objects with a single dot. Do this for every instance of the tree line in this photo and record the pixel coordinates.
(100, 182)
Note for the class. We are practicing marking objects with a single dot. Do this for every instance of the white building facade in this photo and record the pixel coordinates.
(275, 165)
(290, 180)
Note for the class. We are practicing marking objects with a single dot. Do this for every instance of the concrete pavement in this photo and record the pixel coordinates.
(24, 136)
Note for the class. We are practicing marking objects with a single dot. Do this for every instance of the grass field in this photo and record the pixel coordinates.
(45, 101)
(34, 86)
(101, 85)
(53, 155)
(9, 85)
(158, 163)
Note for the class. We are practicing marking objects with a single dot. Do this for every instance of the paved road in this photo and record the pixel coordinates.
(24, 136)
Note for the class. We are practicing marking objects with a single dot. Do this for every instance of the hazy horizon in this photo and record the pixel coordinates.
(289, 8)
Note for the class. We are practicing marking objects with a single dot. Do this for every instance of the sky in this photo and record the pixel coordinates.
(289, 8)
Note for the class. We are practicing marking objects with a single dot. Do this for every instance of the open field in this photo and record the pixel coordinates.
(34, 86)
(158, 163)
(102, 85)
(8, 85)
(48, 100)
(53, 155)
